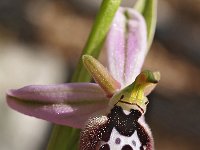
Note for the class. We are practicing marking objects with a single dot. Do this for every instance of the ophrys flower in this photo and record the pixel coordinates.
(116, 96)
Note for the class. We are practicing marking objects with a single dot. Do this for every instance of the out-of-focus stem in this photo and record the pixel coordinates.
(148, 8)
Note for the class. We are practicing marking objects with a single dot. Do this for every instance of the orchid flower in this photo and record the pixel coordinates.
(72, 104)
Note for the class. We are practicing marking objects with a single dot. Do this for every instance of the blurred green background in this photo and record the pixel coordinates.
(41, 41)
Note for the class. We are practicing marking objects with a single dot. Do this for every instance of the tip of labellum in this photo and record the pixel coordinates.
(101, 75)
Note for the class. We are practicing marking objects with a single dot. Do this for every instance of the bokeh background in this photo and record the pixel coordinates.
(41, 41)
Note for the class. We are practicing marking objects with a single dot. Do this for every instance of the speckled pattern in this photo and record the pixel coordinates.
(115, 131)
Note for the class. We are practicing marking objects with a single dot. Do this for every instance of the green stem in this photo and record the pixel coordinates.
(148, 8)
(150, 15)
(140, 5)
(63, 137)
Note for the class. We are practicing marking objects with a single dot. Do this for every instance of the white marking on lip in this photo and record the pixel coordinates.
(124, 140)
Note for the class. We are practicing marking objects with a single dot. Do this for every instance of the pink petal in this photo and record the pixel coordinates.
(67, 104)
(127, 45)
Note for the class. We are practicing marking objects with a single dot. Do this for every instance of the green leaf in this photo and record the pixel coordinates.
(140, 5)
(63, 137)
(148, 8)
